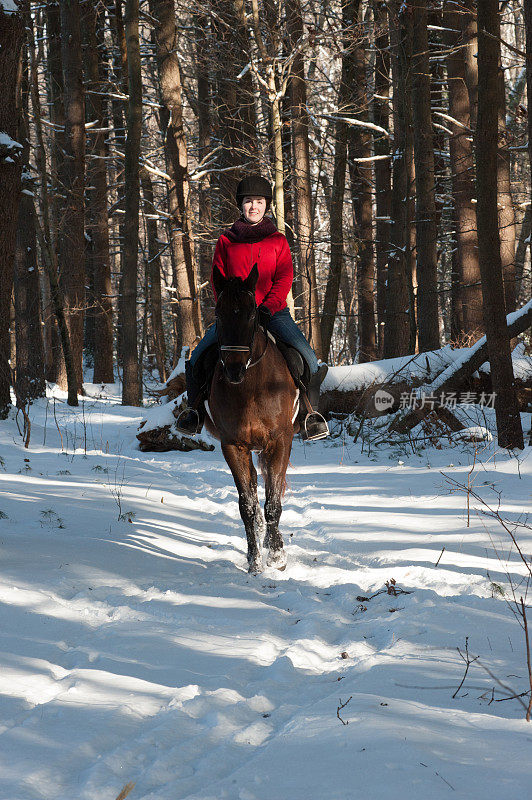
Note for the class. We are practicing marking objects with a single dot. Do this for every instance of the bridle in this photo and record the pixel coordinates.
(237, 348)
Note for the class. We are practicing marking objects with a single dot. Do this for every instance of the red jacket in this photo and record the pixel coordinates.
(274, 262)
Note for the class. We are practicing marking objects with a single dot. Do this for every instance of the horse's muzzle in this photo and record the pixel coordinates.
(235, 372)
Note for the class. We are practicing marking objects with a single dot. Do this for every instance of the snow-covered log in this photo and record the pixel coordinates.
(463, 368)
(157, 432)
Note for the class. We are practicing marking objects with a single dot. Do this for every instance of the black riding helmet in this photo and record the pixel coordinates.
(253, 185)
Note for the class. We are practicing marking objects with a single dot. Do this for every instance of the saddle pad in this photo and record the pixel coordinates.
(294, 361)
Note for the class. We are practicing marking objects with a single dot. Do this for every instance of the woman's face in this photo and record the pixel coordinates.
(253, 208)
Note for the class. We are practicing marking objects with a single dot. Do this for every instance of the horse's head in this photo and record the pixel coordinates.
(236, 321)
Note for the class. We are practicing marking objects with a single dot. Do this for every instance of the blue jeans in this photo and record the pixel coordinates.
(281, 325)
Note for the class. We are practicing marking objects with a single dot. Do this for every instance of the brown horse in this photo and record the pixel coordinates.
(251, 408)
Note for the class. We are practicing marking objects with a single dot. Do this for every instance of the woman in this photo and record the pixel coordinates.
(254, 239)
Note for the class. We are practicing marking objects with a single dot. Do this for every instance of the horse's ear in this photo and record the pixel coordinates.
(251, 280)
(218, 280)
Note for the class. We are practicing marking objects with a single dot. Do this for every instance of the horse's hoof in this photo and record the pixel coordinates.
(255, 566)
(277, 559)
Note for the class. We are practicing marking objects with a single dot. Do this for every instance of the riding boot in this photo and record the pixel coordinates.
(190, 420)
(314, 425)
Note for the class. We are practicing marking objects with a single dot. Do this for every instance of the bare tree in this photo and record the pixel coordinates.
(131, 385)
(467, 299)
(397, 327)
(11, 38)
(97, 201)
(71, 177)
(29, 382)
(153, 273)
(361, 179)
(304, 210)
(509, 429)
(381, 145)
(426, 223)
(185, 277)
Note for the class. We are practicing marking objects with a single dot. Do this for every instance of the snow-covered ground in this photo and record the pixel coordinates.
(135, 646)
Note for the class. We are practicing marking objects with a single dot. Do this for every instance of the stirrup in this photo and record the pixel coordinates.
(193, 427)
(315, 419)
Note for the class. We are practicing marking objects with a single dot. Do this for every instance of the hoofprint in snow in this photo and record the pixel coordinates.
(135, 646)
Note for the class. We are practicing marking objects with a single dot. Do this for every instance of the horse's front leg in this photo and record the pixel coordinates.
(245, 476)
(274, 464)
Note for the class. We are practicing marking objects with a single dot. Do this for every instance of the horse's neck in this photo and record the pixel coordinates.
(259, 344)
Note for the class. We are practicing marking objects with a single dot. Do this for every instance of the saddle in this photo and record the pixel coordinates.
(203, 371)
(313, 425)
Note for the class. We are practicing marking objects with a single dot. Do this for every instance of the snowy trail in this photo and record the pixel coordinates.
(142, 651)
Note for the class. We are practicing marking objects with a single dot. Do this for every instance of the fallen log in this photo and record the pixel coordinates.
(454, 377)
(157, 432)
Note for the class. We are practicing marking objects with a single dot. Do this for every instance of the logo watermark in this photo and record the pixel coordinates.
(446, 399)
(383, 400)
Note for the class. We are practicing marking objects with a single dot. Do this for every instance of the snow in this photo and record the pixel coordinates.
(465, 353)
(522, 363)
(9, 5)
(139, 649)
(160, 415)
(358, 376)
(421, 366)
(179, 368)
(475, 433)
(5, 140)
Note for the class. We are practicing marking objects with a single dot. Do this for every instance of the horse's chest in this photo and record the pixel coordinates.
(252, 422)
(243, 421)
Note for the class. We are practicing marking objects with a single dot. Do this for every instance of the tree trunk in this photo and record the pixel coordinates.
(304, 211)
(71, 231)
(11, 38)
(30, 382)
(467, 302)
(336, 212)
(131, 385)
(383, 176)
(48, 252)
(505, 203)
(118, 113)
(177, 167)
(56, 91)
(397, 327)
(345, 108)
(509, 429)
(359, 142)
(527, 11)
(101, 303)
(204, 145)
(426, 223)
(520, 256)
(468, 15)
(348, 301)
(153, 272)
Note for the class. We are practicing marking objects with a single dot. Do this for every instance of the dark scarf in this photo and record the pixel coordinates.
(244, 233)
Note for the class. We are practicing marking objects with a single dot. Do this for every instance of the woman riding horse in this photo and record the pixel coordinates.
(254, 239)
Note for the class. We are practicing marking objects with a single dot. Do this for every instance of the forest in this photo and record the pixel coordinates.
(395, 135)
(358, 623)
